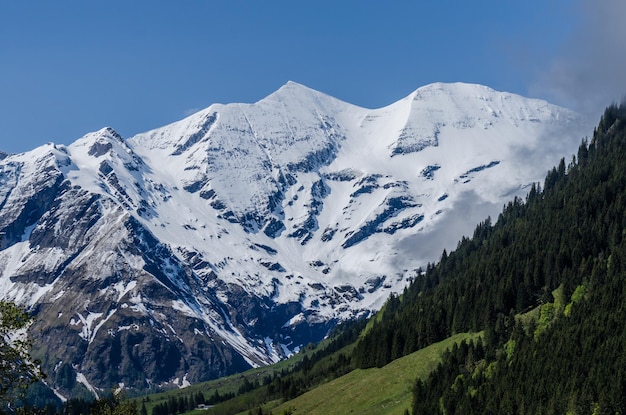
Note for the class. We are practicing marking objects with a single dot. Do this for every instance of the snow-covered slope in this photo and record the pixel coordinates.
(234, 236)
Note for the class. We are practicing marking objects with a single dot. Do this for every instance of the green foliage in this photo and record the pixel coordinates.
(184, 403)
(546, 316)
(509, 349)
(17, 369)
(113, 405)
(579, 294)
(559, 299)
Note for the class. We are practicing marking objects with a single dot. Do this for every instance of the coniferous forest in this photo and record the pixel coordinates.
(546, 283)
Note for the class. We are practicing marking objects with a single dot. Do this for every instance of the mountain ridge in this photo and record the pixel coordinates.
(247, 230)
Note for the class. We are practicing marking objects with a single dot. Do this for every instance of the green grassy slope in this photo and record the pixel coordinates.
(386, 390)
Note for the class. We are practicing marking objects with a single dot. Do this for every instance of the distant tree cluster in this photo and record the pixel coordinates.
(179, 405)
(113, 404)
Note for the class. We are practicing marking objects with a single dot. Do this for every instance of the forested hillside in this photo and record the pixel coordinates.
(545, 282)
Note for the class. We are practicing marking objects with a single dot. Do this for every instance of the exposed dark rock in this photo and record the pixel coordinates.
(218, 205)
(374, 283)
(273, 266)
(367, 184)
(393, 206)
(408, 142)
(328, 234)
(198, 135)
(349, 292)
(346, 175)
(266, 248)
(405, 223)
(74, 218)
(479, 168)
(207, 194)
(99, 148)
(399, 184)
(14, 223)
(305, 230)
(315, 160)
(274, 227)
(105, 168)
(194, 187)
(428, 172)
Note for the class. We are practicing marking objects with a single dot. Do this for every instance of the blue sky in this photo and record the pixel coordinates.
(71, 67)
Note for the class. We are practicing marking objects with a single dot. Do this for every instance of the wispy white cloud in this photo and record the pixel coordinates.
(590, 71)
(425, 247)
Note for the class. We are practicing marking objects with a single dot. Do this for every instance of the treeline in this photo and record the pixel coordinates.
(547, 283)
(544, 283)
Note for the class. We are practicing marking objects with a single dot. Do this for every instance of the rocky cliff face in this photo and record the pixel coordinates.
(231, 238)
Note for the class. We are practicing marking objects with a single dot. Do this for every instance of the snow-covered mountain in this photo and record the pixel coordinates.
(232, 237)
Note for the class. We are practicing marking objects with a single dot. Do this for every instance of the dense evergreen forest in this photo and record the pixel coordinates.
(547, 284)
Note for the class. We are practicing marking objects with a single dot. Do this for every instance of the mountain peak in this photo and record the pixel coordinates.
(453, 89)
(299, 95)
(292, 90)
(294, 84)
(106, 133)
(109, 132)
